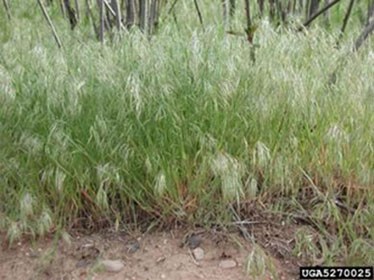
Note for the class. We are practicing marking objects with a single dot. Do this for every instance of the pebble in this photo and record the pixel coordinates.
(132, 247)
(198, 253)
(112, 265)
(193, 241)
(226, 264)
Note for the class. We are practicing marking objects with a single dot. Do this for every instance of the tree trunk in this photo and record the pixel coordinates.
(272, 9)
(77, 9)
(153, 15)
(261, 6)
(116, 8)
(364, 35)
(130, 13)
(313, 8)
(143, 11)
(102, 20)
(370, 11)
(232, 7)
(71, 14)
(226, 13)
(327, 14)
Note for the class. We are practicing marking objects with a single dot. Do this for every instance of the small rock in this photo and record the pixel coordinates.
(227, 264)
(198, 253)
(112, 265)
(160, 259)
(193, 241)
(133, 246)
(163, 276)
(82, 263)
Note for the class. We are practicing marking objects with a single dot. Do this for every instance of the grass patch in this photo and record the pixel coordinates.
(177, 128)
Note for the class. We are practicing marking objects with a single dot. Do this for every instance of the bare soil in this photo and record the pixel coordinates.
(157, 255)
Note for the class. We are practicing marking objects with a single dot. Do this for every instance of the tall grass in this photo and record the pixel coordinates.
(177, 127)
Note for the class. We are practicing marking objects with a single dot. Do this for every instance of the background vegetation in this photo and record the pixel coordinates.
(189, 118)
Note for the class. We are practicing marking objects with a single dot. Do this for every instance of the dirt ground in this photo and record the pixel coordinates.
(158, 255)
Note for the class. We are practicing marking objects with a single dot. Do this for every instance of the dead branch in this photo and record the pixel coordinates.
(7, 9)
(317, 14)
(364, 35)
(49, 21)
(199, 13)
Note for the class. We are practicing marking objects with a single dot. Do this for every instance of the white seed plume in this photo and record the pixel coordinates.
(251, 187)
(107, 173)
(133, 88)
(7, 92)
(336, 134)
(59, 179)
(261, 155)
(102, 198)
(31, 143)
(160, 184)
(26, 205)
(45, 221)
(230, 171)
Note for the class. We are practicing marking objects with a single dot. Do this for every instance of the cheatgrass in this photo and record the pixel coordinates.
(179, 126)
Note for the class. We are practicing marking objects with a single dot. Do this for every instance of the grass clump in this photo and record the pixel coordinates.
(178, 127)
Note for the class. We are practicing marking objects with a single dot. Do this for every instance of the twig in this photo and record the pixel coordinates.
(247, 222)
(49, 21)
(346, 17)
(199, 13)
(193, 259)
(170, 10)
(318, 13)
(240, 226)
(62, 8)
(7, 9)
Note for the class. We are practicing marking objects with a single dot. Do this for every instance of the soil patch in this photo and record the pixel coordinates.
(159, 255)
